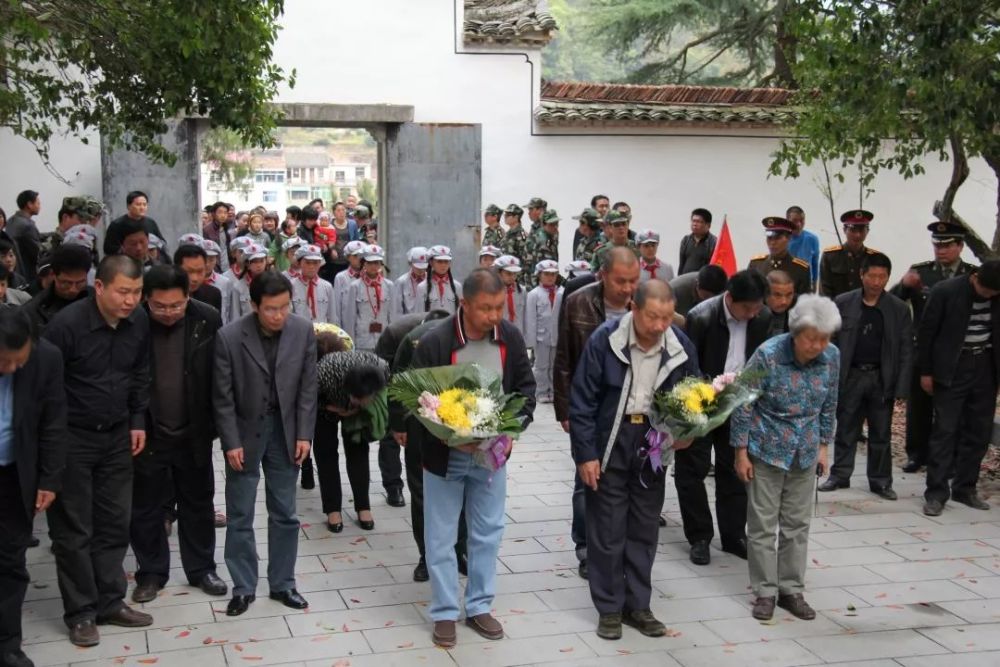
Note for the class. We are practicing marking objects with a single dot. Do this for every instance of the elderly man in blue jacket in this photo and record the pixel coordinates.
(618, 457)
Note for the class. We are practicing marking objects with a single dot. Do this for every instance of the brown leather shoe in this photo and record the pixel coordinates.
(84, 634)
(486, 626)
(126, 617)
(797, 606)
(444, 634)
(763, 609)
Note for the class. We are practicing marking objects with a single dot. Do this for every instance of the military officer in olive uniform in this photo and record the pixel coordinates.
(840, 266)
(618, 227)
(949, 241)
(590, 228)
(494, 232)
(779, 233)
(515, 240)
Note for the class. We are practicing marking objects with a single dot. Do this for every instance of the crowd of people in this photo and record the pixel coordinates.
(119, 370)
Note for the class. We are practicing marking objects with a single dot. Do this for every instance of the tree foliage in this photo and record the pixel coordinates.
(714, 42)
(125, 67)
(225, 153)
(922, 72)
(571, 55)
(368, 190)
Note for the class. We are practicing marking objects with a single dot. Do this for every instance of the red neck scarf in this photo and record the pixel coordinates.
(352, 272)
(441, 281)
(310, 293)
(376, 284)
(551, 289)
(510, 303)
(651, 267)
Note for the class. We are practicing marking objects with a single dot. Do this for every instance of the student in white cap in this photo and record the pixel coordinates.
(406, 289)
(216, 279)
(289, 248)
(440, 291)
(488, 256)
(254, 264)
(650, 265)
(236, 246)
(155, 250)
(576, 268)
(541, 319)
(509, 268)
(368, 305)
(312, 297)
(342, 282)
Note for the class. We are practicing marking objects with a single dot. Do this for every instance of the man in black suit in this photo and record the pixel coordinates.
(193, 260)
(958, 356)
(726, 330)
(32, 456)
(177, 459)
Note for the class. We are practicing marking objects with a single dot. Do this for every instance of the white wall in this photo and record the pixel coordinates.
(411, 60)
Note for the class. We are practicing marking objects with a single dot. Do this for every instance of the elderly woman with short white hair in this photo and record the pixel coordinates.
(781, 445)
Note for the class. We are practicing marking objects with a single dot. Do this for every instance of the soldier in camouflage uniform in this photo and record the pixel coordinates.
(589, 232)
(494, 232)
(617, 224)
(515, 239)
(79, 210)
(779, 233)
(543, 245)
(536, 211)
(840, 266)
(949, 241)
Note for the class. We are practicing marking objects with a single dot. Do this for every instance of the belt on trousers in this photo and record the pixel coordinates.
(975, 351)
(867, 368)
(636, 419)
(97, 428)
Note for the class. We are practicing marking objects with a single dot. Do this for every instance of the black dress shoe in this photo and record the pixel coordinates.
(239, 604)
(933, 507)
(583, 571)
(126, 617)
(145, 592)
(420, 573)
(885, 492)
(972, 500)
(463, 565)
(15, 658)
(662, 521)
(832, 484)
(366, 525)
(32, 542)
(335, 527)
(912, 465)
(308, 477)
(394, 497)
(738, 548)
(212, 584)
(290, 598)
(700, 554)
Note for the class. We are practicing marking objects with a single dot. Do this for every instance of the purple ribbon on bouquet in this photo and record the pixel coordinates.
(656, 440)
(494, 453)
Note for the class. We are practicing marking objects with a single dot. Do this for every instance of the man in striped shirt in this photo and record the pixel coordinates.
(958, 347)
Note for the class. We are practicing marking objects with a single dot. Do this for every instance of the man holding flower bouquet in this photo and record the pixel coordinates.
(620, 458)
(476, 334)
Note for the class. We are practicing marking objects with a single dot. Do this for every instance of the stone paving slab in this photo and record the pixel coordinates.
(893, 588)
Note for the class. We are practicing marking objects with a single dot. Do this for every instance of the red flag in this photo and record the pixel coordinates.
(724, 255)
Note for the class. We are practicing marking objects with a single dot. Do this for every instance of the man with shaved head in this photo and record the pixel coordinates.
(582, 313)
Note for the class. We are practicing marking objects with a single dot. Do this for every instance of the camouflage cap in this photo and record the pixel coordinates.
(493, 209)
(550, 217)
(85, 206)
(362, 212)
(514, 209)
(537, 202)
(590, 217)
(613, 216)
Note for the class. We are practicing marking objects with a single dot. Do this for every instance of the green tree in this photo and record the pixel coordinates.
(715, 42)
(368, 190)
(126, 67)
(921, 72)
(571, 55)
(224, 151)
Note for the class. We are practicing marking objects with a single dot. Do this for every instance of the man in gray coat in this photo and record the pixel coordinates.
(265, 411)
(875, 366)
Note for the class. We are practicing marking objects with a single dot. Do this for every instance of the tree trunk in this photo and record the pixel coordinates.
(980, 248)
(959, 172)
(784, 48)
(993, 159)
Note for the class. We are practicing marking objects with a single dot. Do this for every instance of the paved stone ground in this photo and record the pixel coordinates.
(893, 588)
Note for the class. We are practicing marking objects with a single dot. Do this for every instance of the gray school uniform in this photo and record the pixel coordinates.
(323, 295)
(225, 286)
(448, 302)
(659, 270)
(520, 301)
(341, 283)
(405, 293)
(239, 302)
(364, 317)
(541, 332)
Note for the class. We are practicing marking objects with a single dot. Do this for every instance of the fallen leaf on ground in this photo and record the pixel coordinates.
(406, 645)
(182, 634)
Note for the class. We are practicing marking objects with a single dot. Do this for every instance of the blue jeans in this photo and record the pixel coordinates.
(485, 502)
(280, 479)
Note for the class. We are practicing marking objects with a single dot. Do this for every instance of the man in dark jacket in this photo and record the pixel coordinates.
(617, 458)
(477, 333)
(875, 342)
(70, 265)
(137, 204)
(32, 457)
(958, 354)
(726, 330)
(580, 315)
(178, 457)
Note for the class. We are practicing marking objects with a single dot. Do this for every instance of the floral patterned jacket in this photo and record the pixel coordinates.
(797, 410)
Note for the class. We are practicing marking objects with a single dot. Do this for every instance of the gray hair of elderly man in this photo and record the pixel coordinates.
(814, 312)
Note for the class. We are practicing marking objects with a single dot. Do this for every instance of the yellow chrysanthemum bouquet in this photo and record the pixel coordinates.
(462, 404)
(696, 406)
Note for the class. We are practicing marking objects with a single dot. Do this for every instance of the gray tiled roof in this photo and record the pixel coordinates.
(507, 22)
